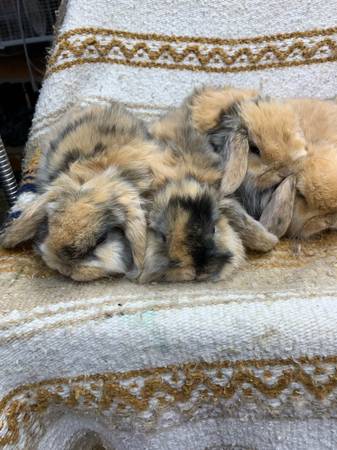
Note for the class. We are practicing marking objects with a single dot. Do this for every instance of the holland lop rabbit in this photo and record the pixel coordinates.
(291, 181)
(88, 220)
(196, 231)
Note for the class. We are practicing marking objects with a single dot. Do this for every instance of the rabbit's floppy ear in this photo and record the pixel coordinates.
(229, 139)
(278, 213)
(253, 234)
(135, 228)
(317, 224)
(209, 102)
(25, 226)
(155, 262)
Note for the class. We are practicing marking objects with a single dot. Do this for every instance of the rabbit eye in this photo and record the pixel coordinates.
(213, 230)
(162, 237)
(300, 195)
(101, 239)
(254, 149)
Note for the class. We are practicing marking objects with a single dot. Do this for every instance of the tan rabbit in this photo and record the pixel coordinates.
(285, 137)
(268, 129)
(197, 232)
(88, 220)
(315, 208)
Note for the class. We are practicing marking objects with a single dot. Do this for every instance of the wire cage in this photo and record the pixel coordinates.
(29, 21)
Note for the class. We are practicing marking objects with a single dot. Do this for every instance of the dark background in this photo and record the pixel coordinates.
(26, 29)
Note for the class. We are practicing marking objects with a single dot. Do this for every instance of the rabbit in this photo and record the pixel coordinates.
(269, 130)
(289, 139)
(88, 220)
(217, 114)
(196, 230)
(315, 208)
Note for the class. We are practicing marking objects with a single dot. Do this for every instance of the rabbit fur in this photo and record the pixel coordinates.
(290, 137)
(88, 220)
(196, 230)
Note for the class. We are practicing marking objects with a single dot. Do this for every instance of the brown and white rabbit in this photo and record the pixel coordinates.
(197, 232)
(88, 220)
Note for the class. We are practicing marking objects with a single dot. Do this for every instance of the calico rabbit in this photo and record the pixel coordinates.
(222, 115)
(196, 231)
(88, 220)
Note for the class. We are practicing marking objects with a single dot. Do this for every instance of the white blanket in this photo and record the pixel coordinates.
(250, 364)
(150, 54)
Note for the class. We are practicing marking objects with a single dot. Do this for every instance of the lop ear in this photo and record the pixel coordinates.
(209, 102)
(229, 139)
(155, 263)
(318, 224)
(253, 234)
(135, 232)
(278, 213)
(25, 226)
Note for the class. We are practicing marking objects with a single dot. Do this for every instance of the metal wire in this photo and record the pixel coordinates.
(37, 19)
(22, 33)
(7, 176)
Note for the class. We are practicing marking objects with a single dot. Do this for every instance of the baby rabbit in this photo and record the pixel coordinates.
(196, 232)
(88, 220)
(286, 139)
(270, 133)
(315, 208)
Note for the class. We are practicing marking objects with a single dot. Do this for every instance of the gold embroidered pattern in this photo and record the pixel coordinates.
(146, 393)
(95, 45)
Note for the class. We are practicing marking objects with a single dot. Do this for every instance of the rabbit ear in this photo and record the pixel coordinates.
(236, 165)
(25, 226)
(135, 232)
(318, 224)
(253, 234)
(331, 221)
(278, 213)
(230, 140)
(155, 262)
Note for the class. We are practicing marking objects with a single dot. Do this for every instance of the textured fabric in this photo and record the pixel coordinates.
(248, 364)
(151, 56)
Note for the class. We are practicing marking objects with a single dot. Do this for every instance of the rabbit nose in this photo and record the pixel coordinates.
(211, 252)
(215, 262)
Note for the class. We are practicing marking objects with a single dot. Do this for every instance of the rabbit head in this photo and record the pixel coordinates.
(267, 131)
(84, 231)
(195, 231)
(315, 208)
(271, 132)
(88, 220)
(196, 234)
(188, 238)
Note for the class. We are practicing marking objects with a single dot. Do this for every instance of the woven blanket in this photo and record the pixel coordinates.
(247, 364)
